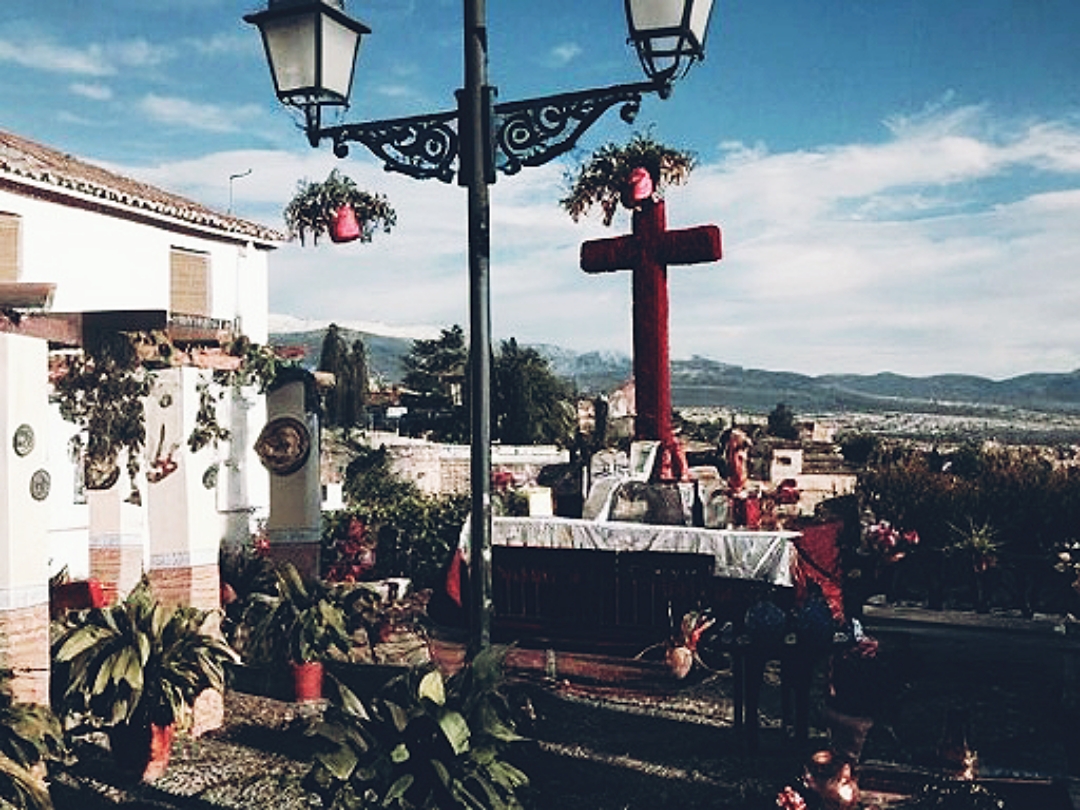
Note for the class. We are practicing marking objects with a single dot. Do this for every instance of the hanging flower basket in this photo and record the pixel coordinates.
(338, 208)
(626, 174)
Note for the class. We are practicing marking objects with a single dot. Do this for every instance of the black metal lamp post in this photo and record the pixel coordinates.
(312, 45)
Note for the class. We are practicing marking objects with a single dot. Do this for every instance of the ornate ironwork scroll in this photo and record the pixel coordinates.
(423, 146)
(534, 131)
(525, 133)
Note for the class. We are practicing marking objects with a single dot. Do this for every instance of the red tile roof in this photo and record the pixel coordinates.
(27, 160)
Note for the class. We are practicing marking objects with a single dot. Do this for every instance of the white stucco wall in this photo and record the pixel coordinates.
(101, 261)
(100, 258)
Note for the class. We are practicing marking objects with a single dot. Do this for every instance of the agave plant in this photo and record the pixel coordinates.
(136, 663)
(30, 735)
(422, 741)
(312, 209)
(602, 179)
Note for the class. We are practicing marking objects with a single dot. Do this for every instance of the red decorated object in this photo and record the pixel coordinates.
(307, 681)
(76, 595)
(345, 227)
(647, 252)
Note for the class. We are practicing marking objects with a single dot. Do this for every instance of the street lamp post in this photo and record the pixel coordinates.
(311, 46)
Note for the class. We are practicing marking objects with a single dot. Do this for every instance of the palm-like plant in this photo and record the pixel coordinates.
(312, 208)
(30, 735)
(602, 179)
(301, 622)
(136, 663)
(422, 741)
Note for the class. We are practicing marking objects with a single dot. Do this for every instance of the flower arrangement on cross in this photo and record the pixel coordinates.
(339, 208)
(625, 174)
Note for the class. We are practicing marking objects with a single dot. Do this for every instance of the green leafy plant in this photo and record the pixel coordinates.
(136, 663)
(300, 622)
(602, 179)
(312, 208)
(422, 741)
(30, 736)
(101, 391)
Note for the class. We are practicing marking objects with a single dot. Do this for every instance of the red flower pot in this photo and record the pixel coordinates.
(142, 750)
(345, 227)
(307, 681)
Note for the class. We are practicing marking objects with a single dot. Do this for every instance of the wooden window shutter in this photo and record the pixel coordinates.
(189, 283)
(10, 232)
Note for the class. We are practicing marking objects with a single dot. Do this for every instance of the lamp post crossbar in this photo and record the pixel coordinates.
(529, 132)
(478, 139)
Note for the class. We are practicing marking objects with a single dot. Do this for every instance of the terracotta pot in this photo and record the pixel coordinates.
(307, 681)
(142, 750)
(345, 226)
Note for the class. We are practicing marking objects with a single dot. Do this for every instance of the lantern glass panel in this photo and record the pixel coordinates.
(647, 15)
(339, 48)
(290, 46)
(699, 21)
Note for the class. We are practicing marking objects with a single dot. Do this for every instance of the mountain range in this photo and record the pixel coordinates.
(704, 383)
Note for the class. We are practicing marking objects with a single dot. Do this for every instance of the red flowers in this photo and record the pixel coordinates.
(888, 542)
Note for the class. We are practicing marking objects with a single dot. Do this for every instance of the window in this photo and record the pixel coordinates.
(10, 246)
(189, 292)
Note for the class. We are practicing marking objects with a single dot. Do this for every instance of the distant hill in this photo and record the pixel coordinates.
(701, 382)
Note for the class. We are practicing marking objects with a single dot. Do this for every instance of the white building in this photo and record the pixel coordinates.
(118, 254)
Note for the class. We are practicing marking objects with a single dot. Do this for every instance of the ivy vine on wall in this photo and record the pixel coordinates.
(102, 391)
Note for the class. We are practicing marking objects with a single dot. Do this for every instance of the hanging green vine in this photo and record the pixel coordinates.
(102, 392)
(601, 179)
(312, 208)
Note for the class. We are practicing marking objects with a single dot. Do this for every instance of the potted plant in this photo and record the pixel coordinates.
(133, 670)
(425, 740)
(338, 208)
(613, 175)
(302, 624)
(30, 736)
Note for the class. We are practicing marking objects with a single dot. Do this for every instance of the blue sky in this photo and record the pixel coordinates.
(897, 181)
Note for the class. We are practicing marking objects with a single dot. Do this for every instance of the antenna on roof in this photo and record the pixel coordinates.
(231, 178)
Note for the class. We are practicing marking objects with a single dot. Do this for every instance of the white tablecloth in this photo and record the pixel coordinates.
(737, 554)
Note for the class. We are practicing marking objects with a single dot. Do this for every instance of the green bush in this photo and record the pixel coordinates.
(415, 533)
(422, 741)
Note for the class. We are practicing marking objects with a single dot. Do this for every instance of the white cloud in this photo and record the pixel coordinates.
(563, 54)
(95, 92)
(48, 56)
(196, 115)
(920, 254)
(94, 59)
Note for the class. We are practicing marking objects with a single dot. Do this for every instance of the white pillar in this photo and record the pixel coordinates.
(181, 494)
(289, 448)
(25, 486)
(118, 540)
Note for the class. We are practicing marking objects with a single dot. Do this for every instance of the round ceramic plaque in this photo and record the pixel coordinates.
(210, 476)
(23, 440)
(40, 483)
(283, 445)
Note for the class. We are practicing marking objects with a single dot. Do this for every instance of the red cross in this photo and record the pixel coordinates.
(648, 252)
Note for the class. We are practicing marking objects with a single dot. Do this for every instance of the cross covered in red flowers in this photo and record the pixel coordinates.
(647, 252)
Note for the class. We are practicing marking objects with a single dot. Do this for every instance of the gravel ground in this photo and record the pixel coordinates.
(651, 745)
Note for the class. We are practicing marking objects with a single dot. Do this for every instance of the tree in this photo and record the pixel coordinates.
(344, 404)
(435, 374)
(530, 405)
(782, 422)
